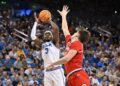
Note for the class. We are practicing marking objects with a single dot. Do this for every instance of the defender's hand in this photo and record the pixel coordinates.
(64, 11)
(50, 66)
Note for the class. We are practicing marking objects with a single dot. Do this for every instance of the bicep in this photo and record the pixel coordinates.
(71, 54)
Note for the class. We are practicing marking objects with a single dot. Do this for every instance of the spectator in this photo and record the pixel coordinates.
(18, 63)
(26, 80)
(20, 83)
(20, 53)
(16, 81)
(33, 81)
(29, 72)
(105, 81)
(7, 63)
(94, 81)
(87, 68)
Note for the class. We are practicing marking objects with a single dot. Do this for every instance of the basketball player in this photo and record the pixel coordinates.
(50, 53)
(76, 76)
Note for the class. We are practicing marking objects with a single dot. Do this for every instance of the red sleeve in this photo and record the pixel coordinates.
(77, 46)
(68, 38)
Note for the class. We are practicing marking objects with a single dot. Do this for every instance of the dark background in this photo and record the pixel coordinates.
(97, 11)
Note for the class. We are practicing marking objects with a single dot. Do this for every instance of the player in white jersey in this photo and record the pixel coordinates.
(50, 53)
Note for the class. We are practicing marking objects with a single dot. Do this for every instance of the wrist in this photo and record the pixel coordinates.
(52, 64)
(51, 22)
(63, 16)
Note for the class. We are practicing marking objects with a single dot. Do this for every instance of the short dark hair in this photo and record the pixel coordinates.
(84, 35)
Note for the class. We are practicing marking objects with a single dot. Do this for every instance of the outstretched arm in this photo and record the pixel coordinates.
(64, 13)
(55, 33)
(64, 59)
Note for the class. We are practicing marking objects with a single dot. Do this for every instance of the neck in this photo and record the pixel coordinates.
(74, 39)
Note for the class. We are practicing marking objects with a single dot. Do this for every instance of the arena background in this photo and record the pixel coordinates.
(100, 17)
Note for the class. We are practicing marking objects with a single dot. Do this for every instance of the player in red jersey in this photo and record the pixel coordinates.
(76, 76)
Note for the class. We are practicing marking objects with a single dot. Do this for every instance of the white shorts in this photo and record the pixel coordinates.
(54, 78)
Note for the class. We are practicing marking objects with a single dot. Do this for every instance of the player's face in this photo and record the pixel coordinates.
(48, 36)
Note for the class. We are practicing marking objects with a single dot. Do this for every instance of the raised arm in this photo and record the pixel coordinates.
(37, 41)
(63, 14)
(64, 59)
(55, 33)
(33, 32)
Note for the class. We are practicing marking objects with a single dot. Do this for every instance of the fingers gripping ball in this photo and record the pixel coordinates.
(45, 16)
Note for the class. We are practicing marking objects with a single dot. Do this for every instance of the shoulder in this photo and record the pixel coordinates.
(68, 38)
(77, 45)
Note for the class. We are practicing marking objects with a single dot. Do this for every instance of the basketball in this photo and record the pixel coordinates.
(44, 16)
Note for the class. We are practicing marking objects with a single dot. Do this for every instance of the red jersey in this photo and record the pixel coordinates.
(76, 61)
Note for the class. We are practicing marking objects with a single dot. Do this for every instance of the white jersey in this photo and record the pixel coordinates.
(50, 53)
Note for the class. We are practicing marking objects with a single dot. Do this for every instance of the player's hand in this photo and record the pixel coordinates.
(49, 21)
(64, 11)
(50, 66)
(35, 16)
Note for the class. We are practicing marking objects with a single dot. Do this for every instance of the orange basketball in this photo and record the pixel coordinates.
(45, 16)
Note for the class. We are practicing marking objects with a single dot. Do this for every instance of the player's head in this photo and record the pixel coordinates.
(48, 36)
(82, 34)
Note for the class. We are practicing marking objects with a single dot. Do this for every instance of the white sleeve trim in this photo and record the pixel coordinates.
(33, 32)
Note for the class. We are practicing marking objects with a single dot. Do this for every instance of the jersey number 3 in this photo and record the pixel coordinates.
(46, 50)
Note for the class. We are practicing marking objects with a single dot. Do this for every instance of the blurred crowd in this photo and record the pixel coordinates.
(20, 65)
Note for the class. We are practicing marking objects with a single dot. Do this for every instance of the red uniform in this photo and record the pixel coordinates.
(79, 78)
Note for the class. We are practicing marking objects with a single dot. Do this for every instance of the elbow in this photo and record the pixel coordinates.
(68, 57)
(33, 37)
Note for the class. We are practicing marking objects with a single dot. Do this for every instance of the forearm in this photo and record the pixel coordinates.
(60, 61)
(33, 32)
(66, 58)
(65, 26)
(55, 33)
(54, 25)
